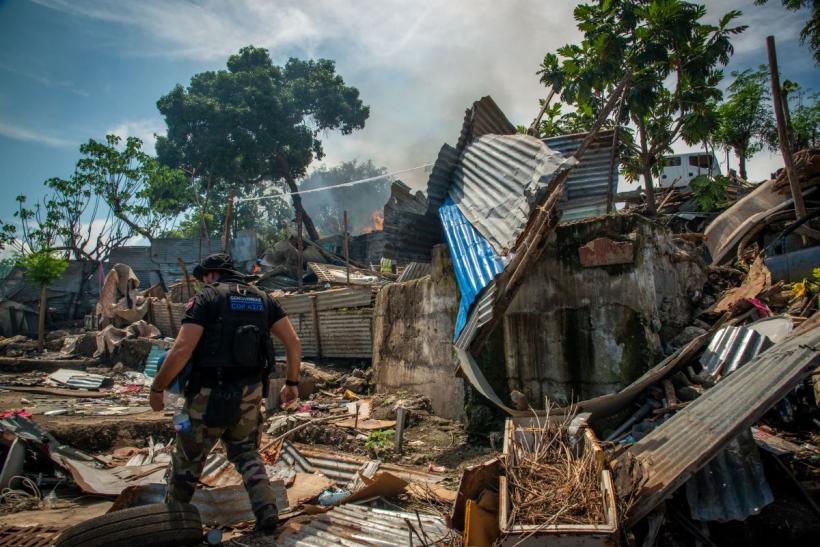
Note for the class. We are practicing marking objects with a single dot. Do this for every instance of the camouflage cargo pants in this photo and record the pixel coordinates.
(241, 443)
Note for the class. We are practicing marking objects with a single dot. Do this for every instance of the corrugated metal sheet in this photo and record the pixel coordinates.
(414, 270)
(343, 467)
(168, 324)
(158, 262)
(479, 315)
(483, 118)
(674, 451)
(588, 183)
(353, 525)
(474, 260)
(732, 486)
(336, 275)
(497, 182)
(344, 332)
(730, 348)
(326, 300)
(441, 177)
(410, 232)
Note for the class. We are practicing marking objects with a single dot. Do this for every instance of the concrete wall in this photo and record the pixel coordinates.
(575, 332)
(413, 338)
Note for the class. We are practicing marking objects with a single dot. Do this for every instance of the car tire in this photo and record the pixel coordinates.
(158, 525)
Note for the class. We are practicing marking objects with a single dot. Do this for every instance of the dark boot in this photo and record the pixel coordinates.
(267, 518)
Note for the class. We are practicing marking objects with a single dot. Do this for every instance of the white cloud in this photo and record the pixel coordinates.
(20, 133)
(145, 130)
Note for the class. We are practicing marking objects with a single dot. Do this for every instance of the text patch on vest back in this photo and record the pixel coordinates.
(246, 303)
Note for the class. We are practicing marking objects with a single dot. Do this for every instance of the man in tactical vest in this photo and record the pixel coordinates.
(225, 334)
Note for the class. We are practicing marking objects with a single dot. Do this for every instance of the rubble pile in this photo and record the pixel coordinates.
(704, 422)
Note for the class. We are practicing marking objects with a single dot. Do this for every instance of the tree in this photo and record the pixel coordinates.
(811, 30)
(144, 194)
(673, 58)
(41, 264)
(745, 117)
(327, 207)
(115, 193)
(255, 122)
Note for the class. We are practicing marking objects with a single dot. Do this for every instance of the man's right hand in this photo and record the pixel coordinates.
(288, 395)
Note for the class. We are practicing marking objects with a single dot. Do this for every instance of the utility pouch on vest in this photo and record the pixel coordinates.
(224, 407)
(246, 342)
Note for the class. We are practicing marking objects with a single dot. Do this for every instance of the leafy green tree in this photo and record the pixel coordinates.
(34, 246)
(144, 194)
(745, 117)
(42, 267)
(673, 58)
(327, 206)
(256, 122)
(811, 30)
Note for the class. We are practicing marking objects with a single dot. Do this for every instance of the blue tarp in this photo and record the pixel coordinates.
(474, 260)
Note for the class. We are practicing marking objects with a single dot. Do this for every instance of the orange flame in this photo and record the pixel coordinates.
(376, 223)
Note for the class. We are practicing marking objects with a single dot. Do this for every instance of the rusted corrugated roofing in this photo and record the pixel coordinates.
(674, 451)
(497, 182)
(351, 297)
(353, 525)
(483, 118)
(588, 183)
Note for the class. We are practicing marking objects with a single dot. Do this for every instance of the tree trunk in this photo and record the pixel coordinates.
(741, 160)
(647, 173)
(307, 222)
(41, 326)
(72, 309)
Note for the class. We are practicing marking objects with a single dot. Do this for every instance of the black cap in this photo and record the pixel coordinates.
(217, 262)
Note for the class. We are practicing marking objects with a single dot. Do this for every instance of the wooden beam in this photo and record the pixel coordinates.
(347, 249)
(317, 330)
(782, 131)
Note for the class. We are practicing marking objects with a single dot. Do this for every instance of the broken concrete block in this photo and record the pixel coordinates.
(603, 251)
(132, 353)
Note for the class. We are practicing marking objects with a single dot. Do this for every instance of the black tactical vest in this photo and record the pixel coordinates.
(237, 341)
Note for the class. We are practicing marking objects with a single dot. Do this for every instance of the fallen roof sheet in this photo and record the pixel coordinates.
(441, 177)
(356, 525)
(732, 486)
(474, 260)
(725, 232)
(673, 452)
(587, 185)
(498, 181)
(414, 270)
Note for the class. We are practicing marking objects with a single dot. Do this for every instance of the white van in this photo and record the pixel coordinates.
(680, 169)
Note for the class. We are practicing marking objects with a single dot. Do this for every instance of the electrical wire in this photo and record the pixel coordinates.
(13, 500)
(340, 185)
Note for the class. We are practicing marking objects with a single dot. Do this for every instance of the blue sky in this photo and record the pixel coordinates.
(76, 69)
